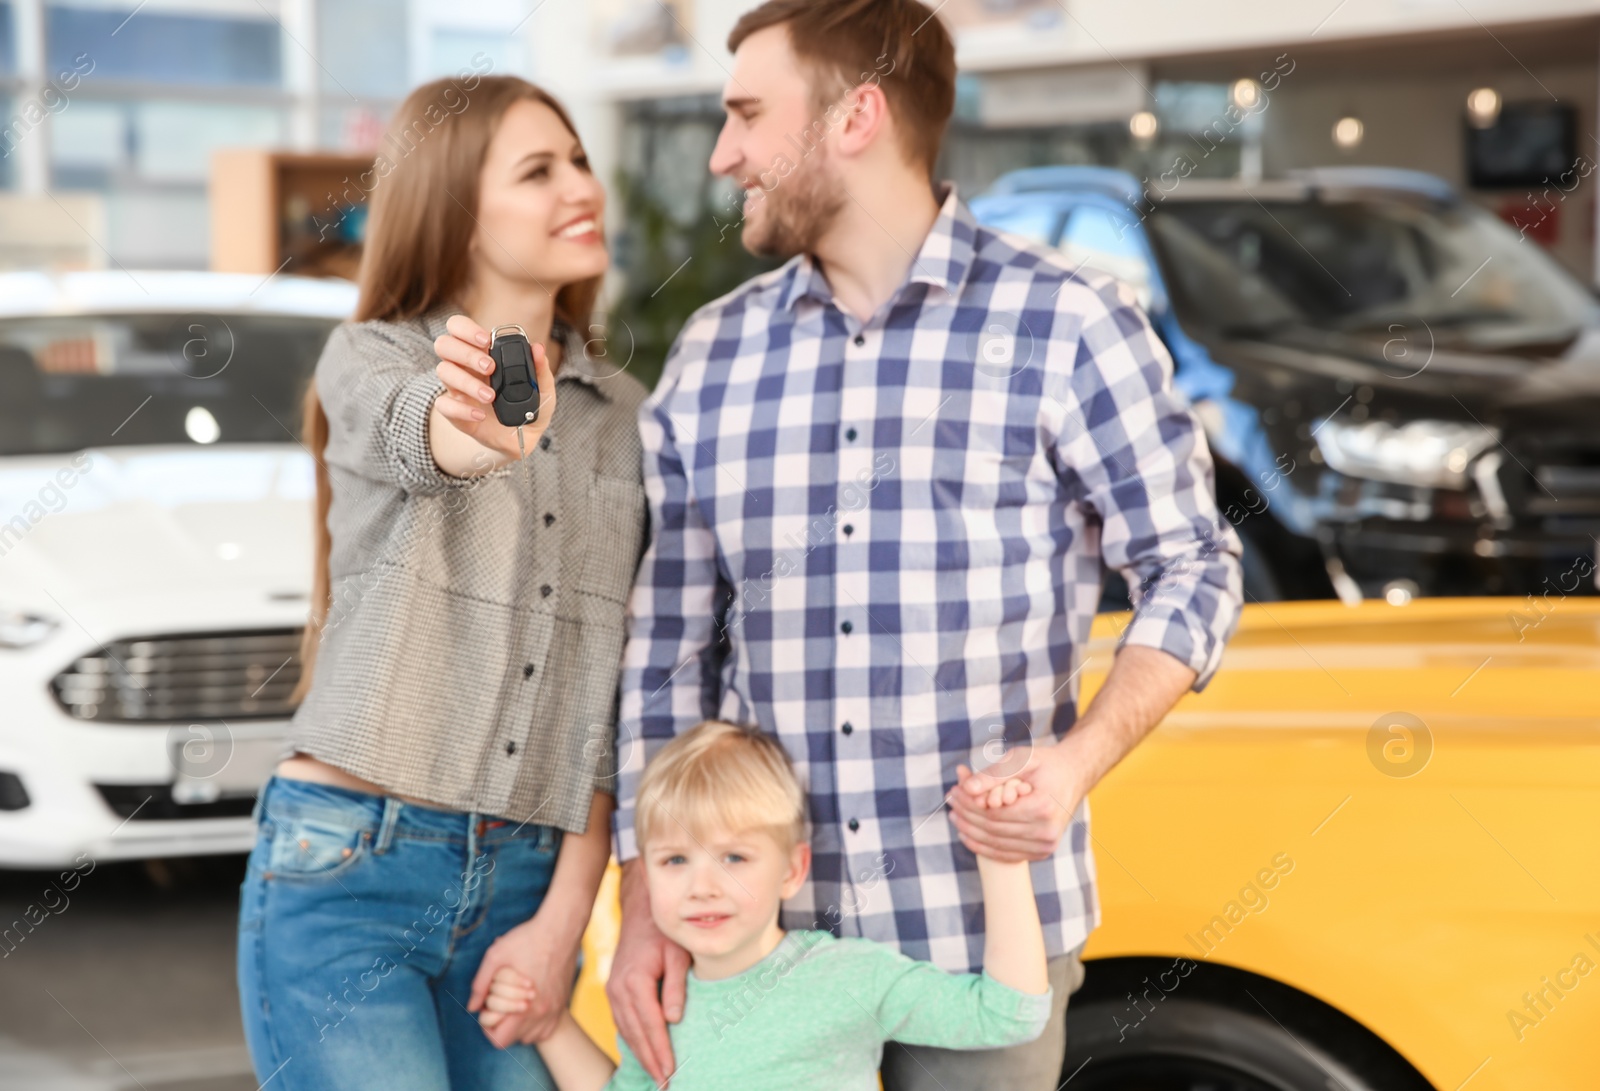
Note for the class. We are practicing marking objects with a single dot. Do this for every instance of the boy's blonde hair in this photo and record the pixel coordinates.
(721, 775)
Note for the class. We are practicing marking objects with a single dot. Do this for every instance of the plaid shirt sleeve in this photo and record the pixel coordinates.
(673, 626)
(1130, 448)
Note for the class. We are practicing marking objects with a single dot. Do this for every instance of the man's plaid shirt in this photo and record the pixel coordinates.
(883, 544)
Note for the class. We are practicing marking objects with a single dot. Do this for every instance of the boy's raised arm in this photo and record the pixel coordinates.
(577, 1063)
(1013, 942)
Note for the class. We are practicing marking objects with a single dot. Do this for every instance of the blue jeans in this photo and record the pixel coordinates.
(362, 921)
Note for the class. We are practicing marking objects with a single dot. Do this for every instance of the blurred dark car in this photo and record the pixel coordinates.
(1400, 391)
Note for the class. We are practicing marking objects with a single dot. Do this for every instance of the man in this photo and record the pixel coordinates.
(883, 480)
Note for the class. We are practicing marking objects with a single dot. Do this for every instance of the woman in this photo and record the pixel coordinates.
(446, 809)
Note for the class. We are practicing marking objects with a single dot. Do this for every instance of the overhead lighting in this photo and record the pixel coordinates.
(1245, 94)
(1143, 125)
(1348, 131)
(1483, 107)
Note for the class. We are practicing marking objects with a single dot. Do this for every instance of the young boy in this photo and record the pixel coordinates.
(721, 829)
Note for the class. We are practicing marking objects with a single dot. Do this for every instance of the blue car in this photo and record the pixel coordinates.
(1399, 389)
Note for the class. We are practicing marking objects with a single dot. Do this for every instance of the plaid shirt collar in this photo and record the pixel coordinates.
(943, 262)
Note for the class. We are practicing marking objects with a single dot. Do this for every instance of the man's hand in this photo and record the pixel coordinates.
(545, 961)
(1030, 824)
(1142, 687)
(648, 979)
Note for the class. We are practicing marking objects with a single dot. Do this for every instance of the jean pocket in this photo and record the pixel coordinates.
(316, 847)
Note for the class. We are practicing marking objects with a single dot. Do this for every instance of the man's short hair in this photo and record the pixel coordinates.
(845, 42)
(721, 776)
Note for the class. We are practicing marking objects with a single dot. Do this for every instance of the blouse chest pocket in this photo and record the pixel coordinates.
(612, 538)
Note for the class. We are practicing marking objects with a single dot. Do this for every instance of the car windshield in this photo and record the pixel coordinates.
(1358, 265)
(71, 382)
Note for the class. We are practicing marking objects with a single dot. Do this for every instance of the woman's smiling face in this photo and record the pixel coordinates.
(540, 208)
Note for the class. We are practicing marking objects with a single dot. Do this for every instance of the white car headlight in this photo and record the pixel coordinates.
(20, 629)
(1431, 453)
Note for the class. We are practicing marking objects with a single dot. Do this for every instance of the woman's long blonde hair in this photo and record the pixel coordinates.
(423, 215)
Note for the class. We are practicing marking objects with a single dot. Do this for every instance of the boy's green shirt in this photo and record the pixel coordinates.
(816, 1012)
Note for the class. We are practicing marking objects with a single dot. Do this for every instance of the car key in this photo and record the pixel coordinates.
(516, 393)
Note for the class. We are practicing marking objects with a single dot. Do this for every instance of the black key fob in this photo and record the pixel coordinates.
(516, 390)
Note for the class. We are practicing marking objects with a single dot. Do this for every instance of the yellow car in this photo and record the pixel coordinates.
(1366, 858)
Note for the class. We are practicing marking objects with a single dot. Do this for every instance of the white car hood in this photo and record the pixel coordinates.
(183, 520)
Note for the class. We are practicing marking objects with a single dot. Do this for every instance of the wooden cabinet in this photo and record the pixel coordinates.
(289, 212)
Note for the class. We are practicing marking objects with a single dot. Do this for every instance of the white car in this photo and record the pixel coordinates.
(155, 545)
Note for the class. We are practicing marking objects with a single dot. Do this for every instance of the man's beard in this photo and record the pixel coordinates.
(800, 210)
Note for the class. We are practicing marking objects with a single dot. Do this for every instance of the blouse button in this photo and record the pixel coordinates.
(845, 627)
(527, 670)
(854, 825)
(548, 518)
(544, 443)
(544, 590)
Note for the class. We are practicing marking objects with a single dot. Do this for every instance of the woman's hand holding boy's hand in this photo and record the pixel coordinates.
(525, 963)
(509, 994)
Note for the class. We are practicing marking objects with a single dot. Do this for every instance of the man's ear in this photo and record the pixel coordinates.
(799, 867)
(866, 119)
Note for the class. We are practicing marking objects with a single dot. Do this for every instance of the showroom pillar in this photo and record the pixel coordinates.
(33, 153)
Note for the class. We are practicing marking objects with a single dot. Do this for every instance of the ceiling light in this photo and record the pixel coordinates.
(1483, 107)
(1245, 94)
(1348, 131)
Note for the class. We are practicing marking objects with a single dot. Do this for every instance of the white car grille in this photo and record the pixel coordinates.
(183, 678)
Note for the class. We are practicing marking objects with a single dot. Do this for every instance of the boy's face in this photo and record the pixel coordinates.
(717, 894)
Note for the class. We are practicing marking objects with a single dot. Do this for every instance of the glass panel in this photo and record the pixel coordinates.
(1098, 239)
(71, 382)
(8, 41)
(91, 134)
(453, 51)
(1357, 266)
(173, 140)
(1034, 221)
(185, 49)
(364, 49)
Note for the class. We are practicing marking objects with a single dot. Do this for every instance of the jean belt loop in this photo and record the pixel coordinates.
(391, 817)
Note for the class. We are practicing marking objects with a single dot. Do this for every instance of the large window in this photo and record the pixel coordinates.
(151, 47)
(8, 41)
(97, 142)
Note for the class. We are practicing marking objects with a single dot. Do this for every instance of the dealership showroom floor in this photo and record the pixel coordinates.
(129, 986)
